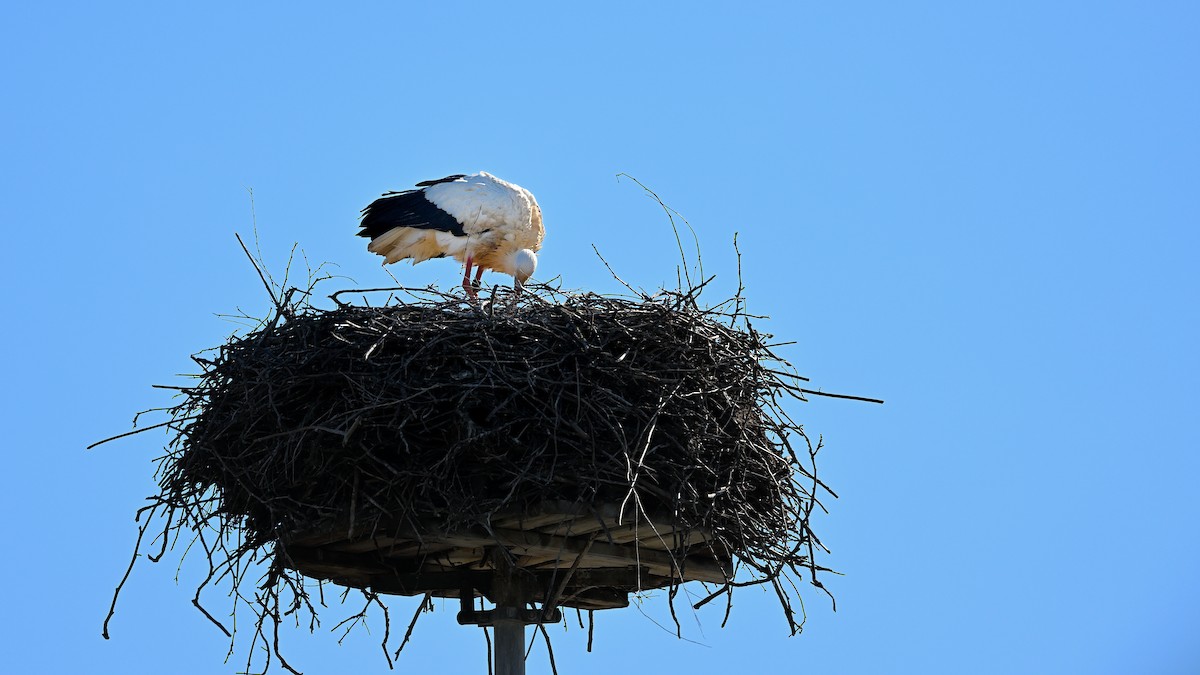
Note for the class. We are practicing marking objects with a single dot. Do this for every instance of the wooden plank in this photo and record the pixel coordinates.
(545, 516)
(532, 521)
(469, 547)
(373, 544)
(566, 528)
(312, 558)
(601, 553)
(459, 556)
(605, 588)
(597, 598)
(560, 518)
(676, 540)
(451, 582)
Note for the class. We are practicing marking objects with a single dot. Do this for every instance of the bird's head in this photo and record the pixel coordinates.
(524, 263)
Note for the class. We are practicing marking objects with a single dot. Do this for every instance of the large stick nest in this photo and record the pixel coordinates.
(433, 413)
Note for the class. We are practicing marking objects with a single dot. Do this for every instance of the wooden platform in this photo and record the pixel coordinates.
(568, 555)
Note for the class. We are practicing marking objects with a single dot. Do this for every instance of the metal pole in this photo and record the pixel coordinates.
(508, 594)
(510, 647)
(511, 592)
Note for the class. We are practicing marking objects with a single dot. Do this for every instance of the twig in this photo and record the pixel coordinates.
(138, 431)
(257, 268)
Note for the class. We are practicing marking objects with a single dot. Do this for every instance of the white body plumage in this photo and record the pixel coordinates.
(480, 220)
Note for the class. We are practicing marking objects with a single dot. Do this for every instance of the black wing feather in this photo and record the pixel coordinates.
(447, 179)
(406, 209)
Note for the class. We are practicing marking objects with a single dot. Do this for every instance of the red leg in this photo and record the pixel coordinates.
(478, 277)
(467, 281)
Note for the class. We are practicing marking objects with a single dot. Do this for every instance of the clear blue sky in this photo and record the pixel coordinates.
(985, 213)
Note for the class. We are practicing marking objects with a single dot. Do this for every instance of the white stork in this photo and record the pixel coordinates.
(480, 220)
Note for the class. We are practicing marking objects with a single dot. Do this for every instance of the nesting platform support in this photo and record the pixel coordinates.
(514, 596)
(509, 657)
(557, 554)
(396, 449)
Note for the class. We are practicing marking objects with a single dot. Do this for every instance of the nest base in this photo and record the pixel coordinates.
(567, 554)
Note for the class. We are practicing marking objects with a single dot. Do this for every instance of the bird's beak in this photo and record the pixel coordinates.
(517, 287)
